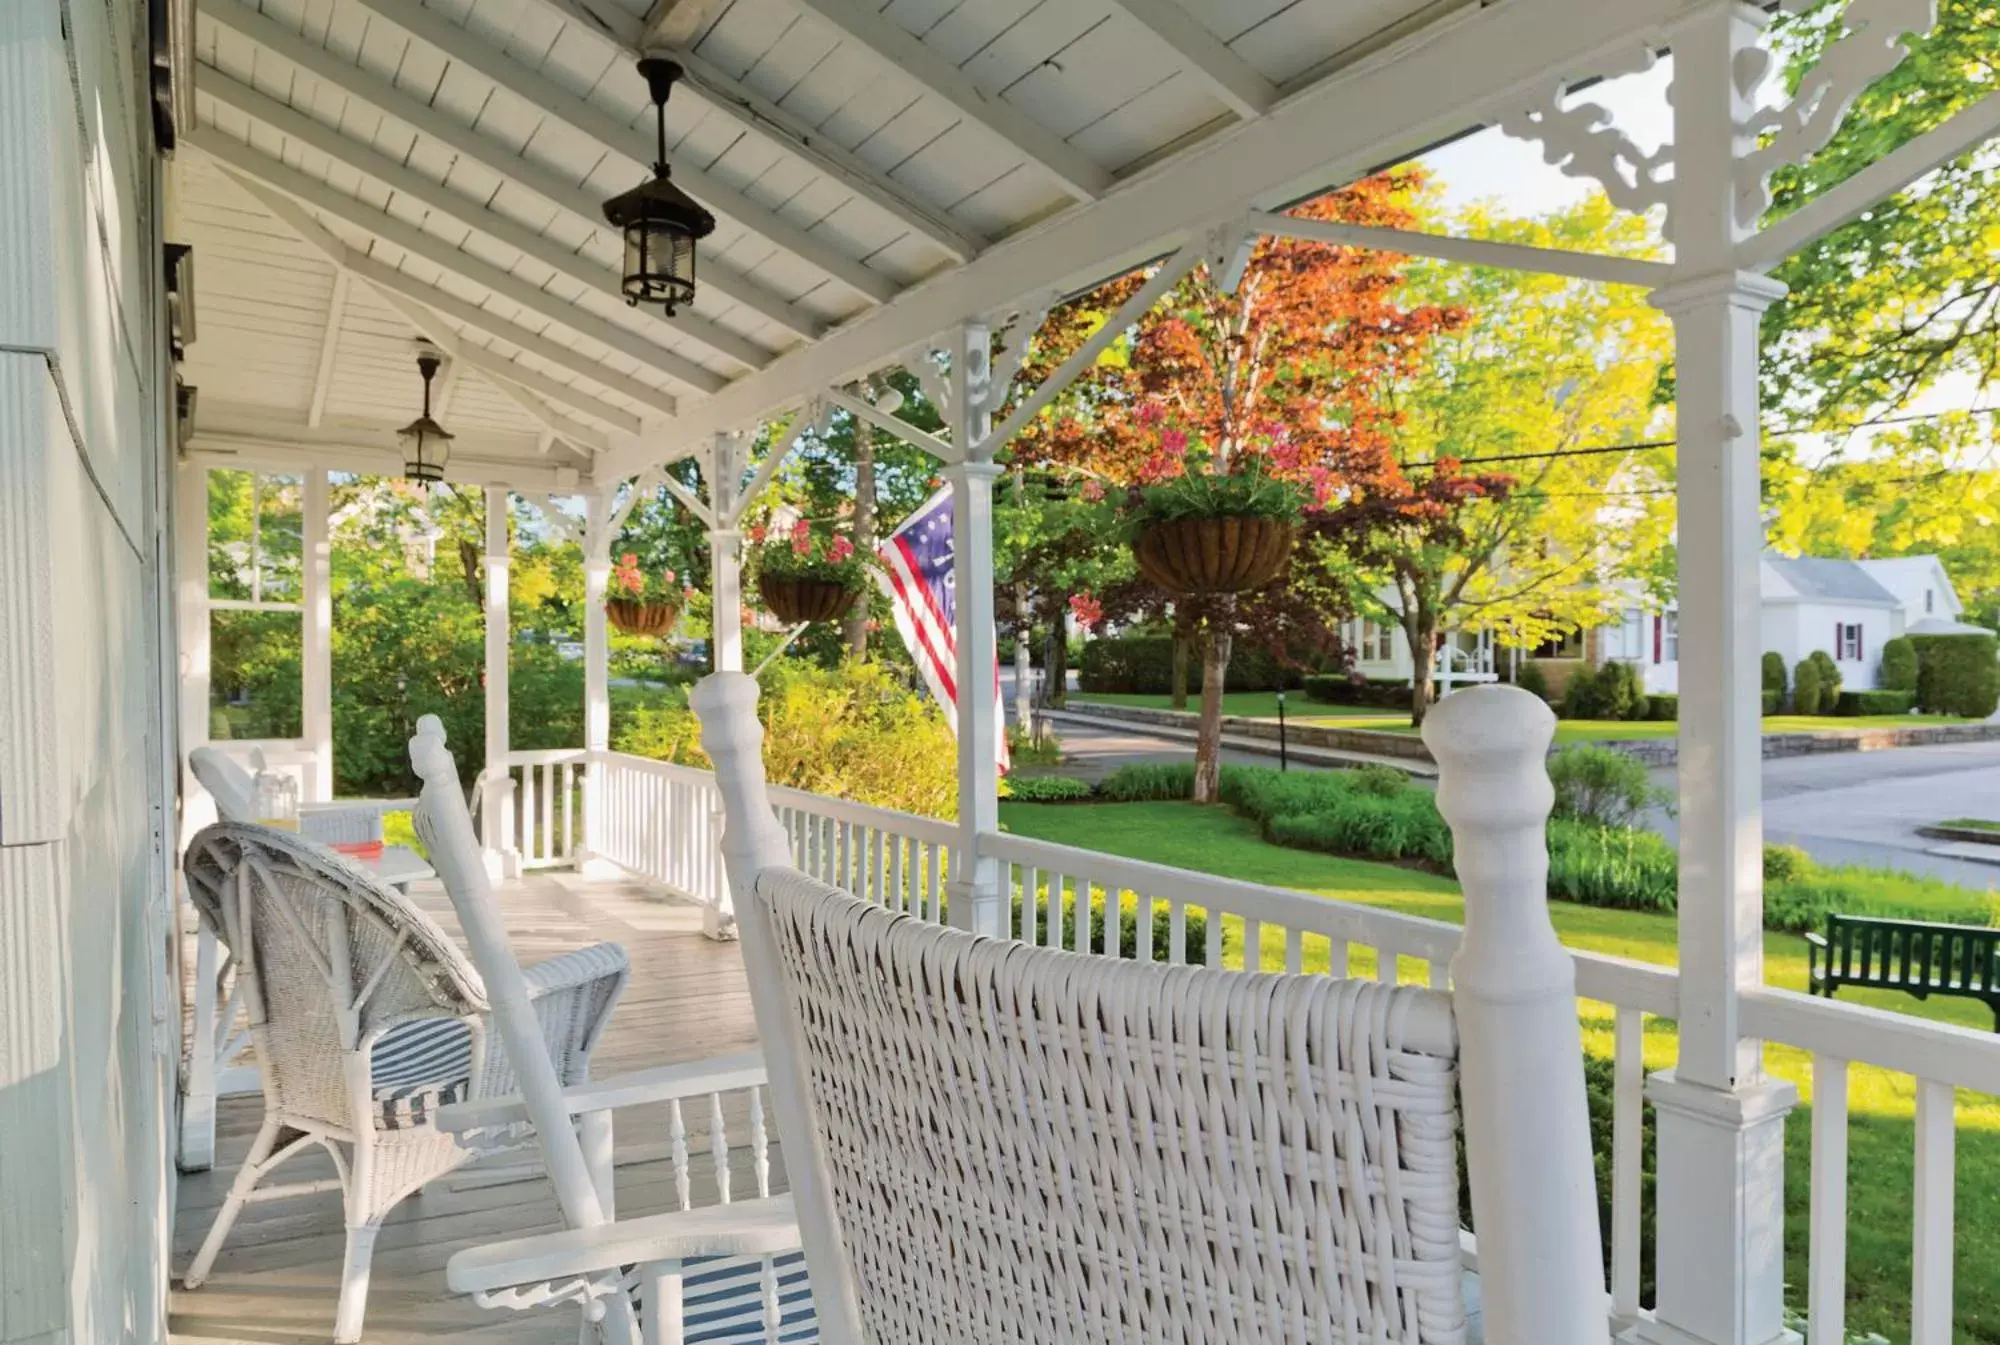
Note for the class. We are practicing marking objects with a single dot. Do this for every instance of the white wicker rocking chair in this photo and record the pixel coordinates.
(366, 1019)
(989, 1141)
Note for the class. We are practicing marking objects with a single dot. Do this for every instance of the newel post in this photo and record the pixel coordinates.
(1527, 1124)
(752, 841)
(597, 541)
(976, 902)
(497, 808)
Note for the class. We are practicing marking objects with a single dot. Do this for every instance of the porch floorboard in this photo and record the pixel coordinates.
(278, 1274)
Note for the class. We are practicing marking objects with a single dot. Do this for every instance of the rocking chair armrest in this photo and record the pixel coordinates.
(577, 967)
(666, 1083)
(763, 1227)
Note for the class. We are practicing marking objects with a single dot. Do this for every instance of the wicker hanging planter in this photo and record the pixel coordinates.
(793, 601)
(641, 618)
(1229, 554)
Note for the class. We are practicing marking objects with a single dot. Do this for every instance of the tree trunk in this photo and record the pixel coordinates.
(854, 630)
(1182, 645)
(1423, 637)
(1024, 668)
(1208, 735)
(1055, 664)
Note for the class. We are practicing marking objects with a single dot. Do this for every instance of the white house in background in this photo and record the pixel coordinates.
(1848, 608)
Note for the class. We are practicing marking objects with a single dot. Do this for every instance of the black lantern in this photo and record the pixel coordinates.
(426, 444)
(660, 221)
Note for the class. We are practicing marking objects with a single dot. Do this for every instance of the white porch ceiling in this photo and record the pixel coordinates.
(878, 170)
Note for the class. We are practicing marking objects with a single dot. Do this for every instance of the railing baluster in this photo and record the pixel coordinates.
(1142, 926)
(1826, 1278)
(1176, 932)
(568, 772)
(1627, 1149)
(718, 1146)
(1213, 937)
(1253, 944)
(1931, 1246)
(934, 882)
(1336, 956)
(875, 892)
(547, 849)
(678, 1142)
(760, 1144)
(1031, 893)
(1295, 951)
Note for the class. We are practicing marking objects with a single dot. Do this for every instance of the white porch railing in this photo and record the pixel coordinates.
(546, 790)
(661, 821)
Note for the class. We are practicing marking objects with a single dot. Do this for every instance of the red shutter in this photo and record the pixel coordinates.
(1658, 621)
(1839, 639)
(1859, 635)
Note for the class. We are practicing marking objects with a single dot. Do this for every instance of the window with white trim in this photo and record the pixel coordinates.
(256, 612)
(1849, 648)
(1670, 638)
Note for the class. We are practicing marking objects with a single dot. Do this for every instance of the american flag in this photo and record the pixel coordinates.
(922, 588)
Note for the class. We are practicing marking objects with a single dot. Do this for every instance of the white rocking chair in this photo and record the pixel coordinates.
(989, 1141)
(366, 1020)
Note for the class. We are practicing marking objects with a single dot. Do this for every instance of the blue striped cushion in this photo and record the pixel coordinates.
(419, 1067)
(722, 1301)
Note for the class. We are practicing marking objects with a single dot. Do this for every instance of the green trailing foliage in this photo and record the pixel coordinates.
(1046, 789)
(1899, 665)
(1957, 674)
(1201, 494)
(1144, 664)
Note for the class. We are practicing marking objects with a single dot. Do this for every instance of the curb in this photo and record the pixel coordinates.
(1258, 745)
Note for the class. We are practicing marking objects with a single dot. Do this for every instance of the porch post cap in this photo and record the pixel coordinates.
(1745, 288)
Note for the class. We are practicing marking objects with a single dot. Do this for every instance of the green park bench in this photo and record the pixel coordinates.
(1914, 956)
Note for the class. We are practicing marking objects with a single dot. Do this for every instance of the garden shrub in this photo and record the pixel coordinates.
(1144, 664)
(1532, 678)
(1617, 868)
(1852, 703)
(1341, 689)
(1782, 863)
(1665, 706)
(853, 732)
(1342, 812)
(1774, 701)
(1803, 901)
(1045, 788)
(1774, 674)
(1194, 937)
(1612, 691)
(1829, 679)
(1148, 781)
(1602, 785)
(1381, 781)
(1805, 688)
(1899, 665)
(1957, 674)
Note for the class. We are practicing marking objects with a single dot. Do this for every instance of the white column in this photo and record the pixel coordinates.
(597, 541)
(317, 653)
(499, 802)
(1720, 1120)
(976, 900)
(725, 553)
(197, 1128)
(725, 568)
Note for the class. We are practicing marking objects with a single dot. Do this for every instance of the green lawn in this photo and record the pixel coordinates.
(1881, 1103)
(1299, 710)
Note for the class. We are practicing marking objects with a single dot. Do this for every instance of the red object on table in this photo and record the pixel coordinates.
(359, 849)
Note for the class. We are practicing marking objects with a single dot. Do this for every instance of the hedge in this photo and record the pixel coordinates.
(1194, 936)
(1665, 706)
(1957, 674)
(1338, 689)
(1611, 691)
(1774, 673)
(1805, 688)
(1148, 781)
(1774, 701)
(1899, 665)
(1853, 703)
(1144, 664)
(1046, 789)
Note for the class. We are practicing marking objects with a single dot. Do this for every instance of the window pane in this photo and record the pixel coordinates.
(254, 687)
(255, 536)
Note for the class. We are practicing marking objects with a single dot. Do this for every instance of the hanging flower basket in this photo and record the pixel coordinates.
(641, 618)
(1227, 554)
(793, 601)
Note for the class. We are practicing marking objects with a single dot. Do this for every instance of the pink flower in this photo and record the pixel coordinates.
(840, 550)
(1174, 441)
(757, 535)
(1087, 610)
(1149, 413)
(687, 592)
(801, 531)
(629, 560)
(670, 576)
(1093, 491)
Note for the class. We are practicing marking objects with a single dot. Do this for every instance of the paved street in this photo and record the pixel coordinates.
(1848, 807)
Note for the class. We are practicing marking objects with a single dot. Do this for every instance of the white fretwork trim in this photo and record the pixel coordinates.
(1582, 140)
(1869, 47)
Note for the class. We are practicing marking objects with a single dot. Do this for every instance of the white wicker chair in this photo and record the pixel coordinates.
(993, 1142)
(366, 1019)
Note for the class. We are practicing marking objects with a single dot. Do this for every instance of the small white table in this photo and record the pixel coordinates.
(214, 1045)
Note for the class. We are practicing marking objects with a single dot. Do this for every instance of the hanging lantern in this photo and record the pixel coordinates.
(426, 444)
(660, 221)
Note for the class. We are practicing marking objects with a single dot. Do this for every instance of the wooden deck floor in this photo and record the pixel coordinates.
(276, 1278)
